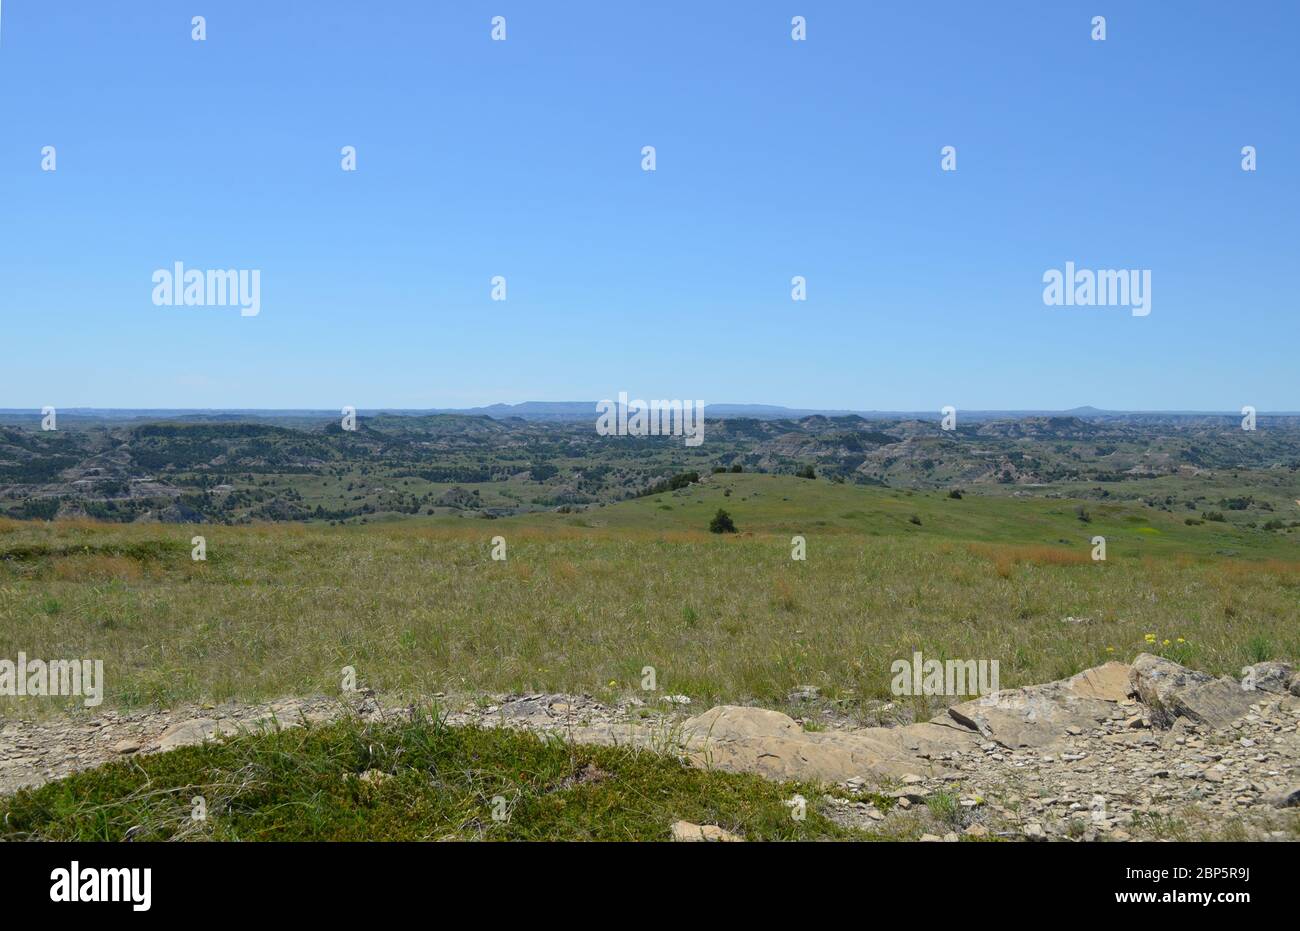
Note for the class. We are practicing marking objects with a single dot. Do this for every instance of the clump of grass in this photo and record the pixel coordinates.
(1161, 826)
(946, 808)
(1259, 650)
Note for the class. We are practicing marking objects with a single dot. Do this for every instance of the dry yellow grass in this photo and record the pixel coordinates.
(1005, 557)
(97, 568)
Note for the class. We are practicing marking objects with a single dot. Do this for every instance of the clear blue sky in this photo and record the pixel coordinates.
(775, 158)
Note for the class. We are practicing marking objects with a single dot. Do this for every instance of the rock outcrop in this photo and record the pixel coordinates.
(741, 739)
(1275, 677)
(1171, 691)
(1039, 715)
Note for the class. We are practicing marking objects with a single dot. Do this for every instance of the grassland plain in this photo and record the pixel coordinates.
(585, 601)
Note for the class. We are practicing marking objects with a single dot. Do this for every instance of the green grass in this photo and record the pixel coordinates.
(438, 783)
(778, 504)
(419, 606)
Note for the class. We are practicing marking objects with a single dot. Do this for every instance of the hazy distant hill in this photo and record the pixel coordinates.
(233, 466)
(586, 410)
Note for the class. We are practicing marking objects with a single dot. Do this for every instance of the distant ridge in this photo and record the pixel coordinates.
(584, 410)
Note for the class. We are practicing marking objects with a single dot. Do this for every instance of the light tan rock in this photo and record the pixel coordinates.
(1035, 716)
(1039, 715)
(1107, 682)
(754, 740)
(187, 733)
(689, 832)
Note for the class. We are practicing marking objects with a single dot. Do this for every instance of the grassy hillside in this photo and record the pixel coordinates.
(584, 601)
(778, 504)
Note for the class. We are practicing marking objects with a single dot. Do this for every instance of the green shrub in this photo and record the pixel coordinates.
(722, 523)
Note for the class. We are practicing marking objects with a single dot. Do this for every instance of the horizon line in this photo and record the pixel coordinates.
(1082, 410)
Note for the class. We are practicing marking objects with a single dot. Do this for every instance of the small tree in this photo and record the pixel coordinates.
(722, 523)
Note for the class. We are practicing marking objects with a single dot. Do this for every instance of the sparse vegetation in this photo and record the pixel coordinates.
(277, 609)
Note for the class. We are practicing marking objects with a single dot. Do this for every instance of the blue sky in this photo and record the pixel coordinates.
(774, 158)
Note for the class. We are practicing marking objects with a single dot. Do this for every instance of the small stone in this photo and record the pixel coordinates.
(914, 794)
